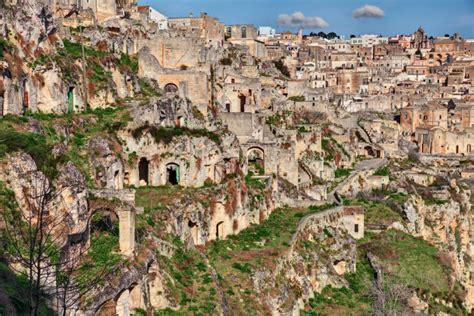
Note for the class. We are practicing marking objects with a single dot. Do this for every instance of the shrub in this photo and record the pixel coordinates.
(297, 98)
(33, 144)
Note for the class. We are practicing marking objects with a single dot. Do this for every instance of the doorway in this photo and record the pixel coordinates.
(70, 100)
(219, 232)
(143, 168)
(172, 174)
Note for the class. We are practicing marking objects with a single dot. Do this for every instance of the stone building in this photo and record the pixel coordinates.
(207, 28)
(437, 140)
(427, 116)
(246, 35)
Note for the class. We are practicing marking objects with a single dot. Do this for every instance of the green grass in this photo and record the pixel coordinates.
(147, 89)
(377, 213)
(405, 260)
(74, 50)
(342, 172)
(409, 260)
(382, 171)
(194, 288)
(236, 258)
(352, 300)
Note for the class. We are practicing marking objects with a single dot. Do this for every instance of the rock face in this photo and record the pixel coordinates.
(323, 249)
(65, 200)
(448, 226)
(107, 168)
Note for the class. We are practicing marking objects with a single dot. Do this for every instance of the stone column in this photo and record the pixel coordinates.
(127, 232)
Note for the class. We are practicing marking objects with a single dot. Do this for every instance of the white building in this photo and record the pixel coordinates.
(265, 32)
(368, 40)
(153, 15)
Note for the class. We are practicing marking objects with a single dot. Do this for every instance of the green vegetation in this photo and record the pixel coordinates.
(377, 213)
(166, 135)
(408, 261)
(102, 258)
(14, 290)
(75, 50)
(278, 118)
(4, 45)
(297, 98)
(430, 200)
(130, 62)
(239, 255)
(254, 183)
(33, 144)
(355, 299)
(147, 89)
(194, 288)
(342, 172)
(382, 171)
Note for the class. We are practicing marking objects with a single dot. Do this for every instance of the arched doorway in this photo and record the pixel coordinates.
(143, 170)
(117, 185)
(194, 231)
(256, 160)
(171, 88)
(219, 231)
(172, 174)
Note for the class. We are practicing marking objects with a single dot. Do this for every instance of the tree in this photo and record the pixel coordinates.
(322, 35)
(352, 36)
(38, 247)
(280, 65)
(332, 35)
(30, 240)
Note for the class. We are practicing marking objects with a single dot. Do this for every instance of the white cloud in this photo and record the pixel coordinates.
(298, 19)
(368, 11)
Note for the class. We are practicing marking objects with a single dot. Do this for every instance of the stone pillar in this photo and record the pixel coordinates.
(127, 232)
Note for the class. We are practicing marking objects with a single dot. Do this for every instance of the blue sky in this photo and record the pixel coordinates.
(400, 16)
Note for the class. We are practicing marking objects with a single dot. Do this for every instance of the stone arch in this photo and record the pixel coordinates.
(256, 159)
(126, 220)
(171, 88)
(143, 171)
(173, 173)
(104, 223)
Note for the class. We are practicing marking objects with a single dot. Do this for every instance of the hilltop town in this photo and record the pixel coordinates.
(154, 165)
